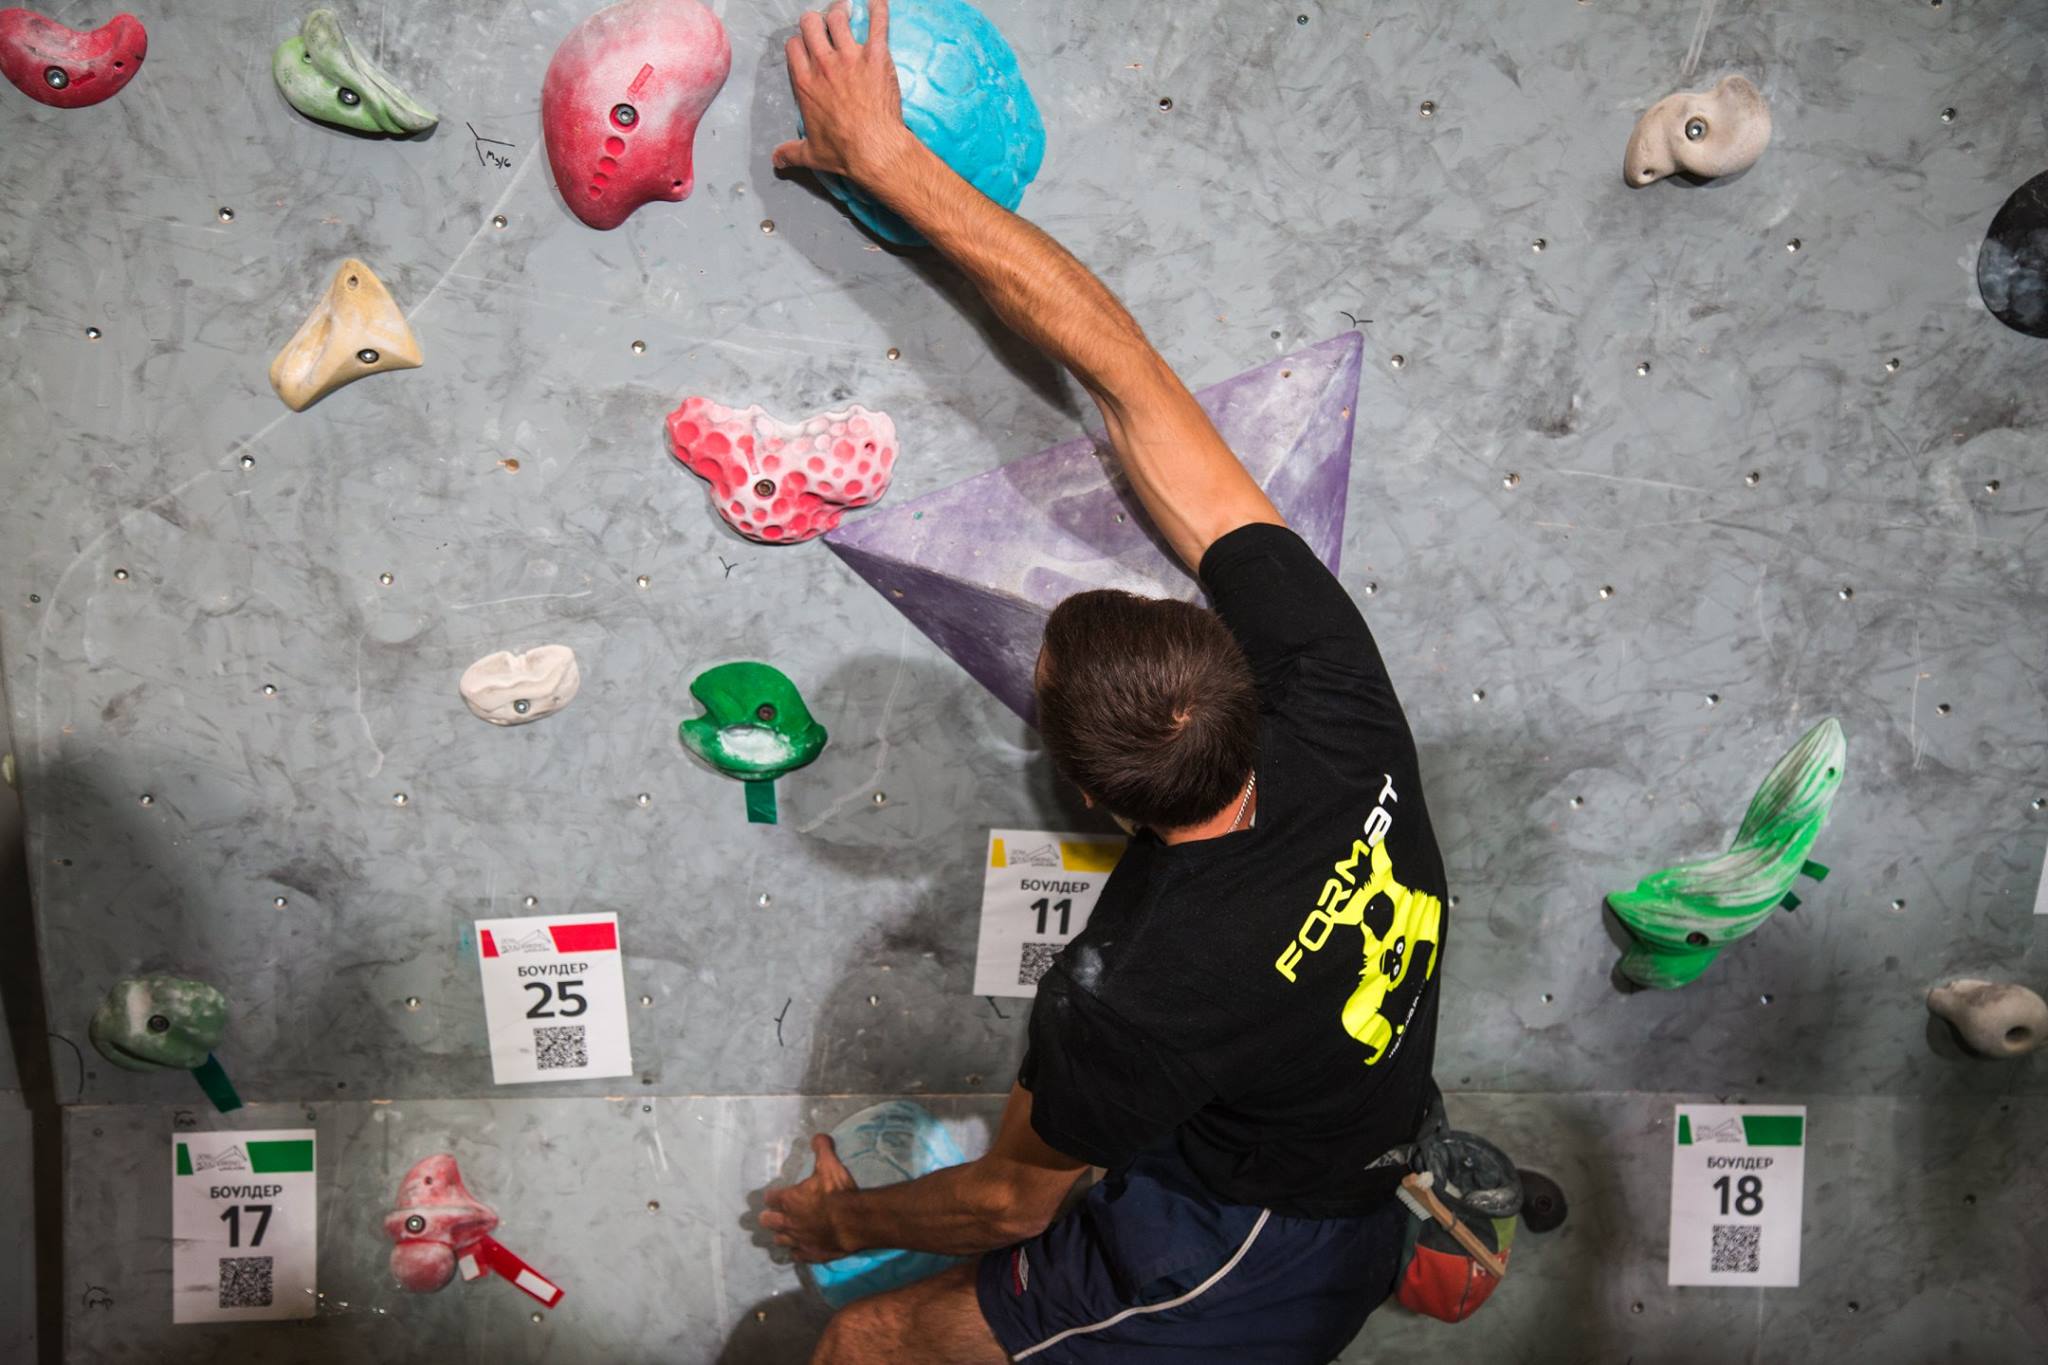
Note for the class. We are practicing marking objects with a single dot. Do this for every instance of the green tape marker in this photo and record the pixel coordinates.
(213, 1079)
(760, 803)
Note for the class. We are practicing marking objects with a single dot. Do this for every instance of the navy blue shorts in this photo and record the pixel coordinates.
(1149, 1268)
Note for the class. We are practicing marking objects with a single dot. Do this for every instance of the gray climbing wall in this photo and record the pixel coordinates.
(1646, 482)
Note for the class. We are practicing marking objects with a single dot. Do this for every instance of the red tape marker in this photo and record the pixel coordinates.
(494, 1256)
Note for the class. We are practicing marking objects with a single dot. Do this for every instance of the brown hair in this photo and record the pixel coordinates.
(1147, 705)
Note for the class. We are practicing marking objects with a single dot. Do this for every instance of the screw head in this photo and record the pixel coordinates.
(1991, 486)
(1892, 366)
(530, 901)
(1606, 591)
(625, 115)
(1764, 999)
(1478, 694)
(1165, 103)
(348, 96)
(1695, 129)
(1696, 939)
(645, 798)
(1371, 589)
(1713, 698)
(499, 220)
(1898, 902)
(1793, 246)
(521, 706)
(386, 579)
(225, 214)
(400, 799)
(764, 900)
(92, 334)
(279, 902)
(368, 355)
(874, 1000)
(1948, 115)
(881, 798)
(768, 227)
(1301, 19)
(412, 1002)
(1753, 478)
(639, 348)
(146, 799)
(120, 575)
(414, 1223)
(894, 354)
(654, 1206)
(1510, 480)
(248, 462)
(643, 581)
(1846, 593)
(1427, 109)
(646, 1001)
(1548, 997)
(270, 689)
(1943, 709)
(159, 1024)
(1577, 802)
(1642, 369)
(764, 488)
(1397, 361)
(1538, 245)
(56, 77)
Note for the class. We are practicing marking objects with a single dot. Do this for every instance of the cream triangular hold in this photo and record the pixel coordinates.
(356, 329)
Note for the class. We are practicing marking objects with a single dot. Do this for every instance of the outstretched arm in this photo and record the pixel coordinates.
(1191, 484)
(1007, 1195)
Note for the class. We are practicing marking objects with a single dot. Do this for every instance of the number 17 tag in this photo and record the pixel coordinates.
(1738, 1181)
(554, 997)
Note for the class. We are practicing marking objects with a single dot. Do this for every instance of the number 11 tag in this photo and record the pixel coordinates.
(1738, 1181)
(1037, 891)
(554, 997)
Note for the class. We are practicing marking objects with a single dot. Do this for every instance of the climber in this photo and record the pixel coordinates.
(1212, 1039)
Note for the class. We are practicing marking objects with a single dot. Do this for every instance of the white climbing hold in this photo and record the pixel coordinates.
(1996, 1018)
(1701, 132)
(517, 689)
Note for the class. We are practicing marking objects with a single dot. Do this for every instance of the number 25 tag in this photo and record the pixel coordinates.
(554, 997)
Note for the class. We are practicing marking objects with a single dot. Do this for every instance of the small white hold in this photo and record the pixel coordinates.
(1701, 132)
(1996, 1018)
(517, 689)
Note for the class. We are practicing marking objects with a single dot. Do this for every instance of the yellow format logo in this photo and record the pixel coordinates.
(1413, 923)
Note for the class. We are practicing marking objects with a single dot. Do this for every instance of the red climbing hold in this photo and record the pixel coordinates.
(67, 67)
(856, 449)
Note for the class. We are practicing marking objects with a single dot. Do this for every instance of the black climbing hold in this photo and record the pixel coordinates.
(2012, 267)
(1543, 1205)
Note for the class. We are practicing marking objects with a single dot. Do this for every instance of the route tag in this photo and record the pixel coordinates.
(1037, 892)
(554, 997)
(1738, 1186)
(2041, 891)
(243, 1226)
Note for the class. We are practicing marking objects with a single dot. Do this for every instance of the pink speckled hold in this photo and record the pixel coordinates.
(780, 482)
(435, 1221)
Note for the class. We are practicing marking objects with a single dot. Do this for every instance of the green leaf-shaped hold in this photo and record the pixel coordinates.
(325, 76)
(159, 1023)
(755, 726)
(1683, 916)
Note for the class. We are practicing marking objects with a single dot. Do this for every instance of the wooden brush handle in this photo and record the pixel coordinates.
(1467, 1238)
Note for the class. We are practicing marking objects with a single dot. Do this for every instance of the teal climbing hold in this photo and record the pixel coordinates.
(1682, 917)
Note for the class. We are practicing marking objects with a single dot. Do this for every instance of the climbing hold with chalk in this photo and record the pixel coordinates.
(70, 68)
(781, 482)
(518, 689)
(1996, 1018)
(325, 76)
(354, 330)
(755, 727)
(1702, 133)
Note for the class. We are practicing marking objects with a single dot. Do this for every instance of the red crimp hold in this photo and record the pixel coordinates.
(67, 67)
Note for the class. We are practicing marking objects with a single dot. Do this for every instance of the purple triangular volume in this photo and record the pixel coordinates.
(978, 565)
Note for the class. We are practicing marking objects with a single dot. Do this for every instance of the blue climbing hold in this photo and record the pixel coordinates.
(885, 1143)
(964, 98)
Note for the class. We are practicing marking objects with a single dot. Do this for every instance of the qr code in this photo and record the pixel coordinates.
(560, 1049)
(245, 1282)
(1034, 962)
(1737, 1247)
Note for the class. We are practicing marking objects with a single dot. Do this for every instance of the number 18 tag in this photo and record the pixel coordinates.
(554, 997)
(1738, 1180)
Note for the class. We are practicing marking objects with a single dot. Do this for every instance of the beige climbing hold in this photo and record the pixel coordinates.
(517, 689)
(1996, 1018)
(356, 329)
(1701, 132)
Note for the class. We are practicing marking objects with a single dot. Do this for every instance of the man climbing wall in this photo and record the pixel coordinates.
(1248, 1022)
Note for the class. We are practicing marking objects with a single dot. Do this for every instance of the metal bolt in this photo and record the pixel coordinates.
(530, 902)
(768, 226)
(159, 1024)
(1635, 1308)
(1606, 591)
(56, 77)
(536, 1318)
(1793, 246)
(368, 355)
(645, 799)
(248, 462)
(92, 334)
(1547, 997)
(764, 900)
(1991, 486)
(1892, 366)
(1942, 709)
(625, 115)
(894, 354)
(1578, 801)
(385, 579)
(1642, 369)
(1538, 245)
(1510, 480)
(764, 488)
(1753, 478)
(643, 581)
(1695, 129)
(348, 96)
(399, 798)
(1479, 694)
(1898, 902)
(1301, 19)
(646, 1001)
(1846, 593)
(412, 1002)
(881, 798)
(639, 348)
(765, 712)
(874, 1000)
(2040, 803)
(1397, 361)
(120, 575)
(1428, 109)
(654, 1206)
(1165, 102)
(1696, 939)
(279, 901)
(1371, 588)
(146, 799)
(499, 220)
(1948, 115)
(1713, 698)
(1855, 1307)
(270, 689)
(1764, 999)
(415, 1223)
(521, 706)
(225, 214)
(1454, 905)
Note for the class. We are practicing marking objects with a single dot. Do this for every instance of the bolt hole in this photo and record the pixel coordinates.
(765, 712)
(2019, 1034)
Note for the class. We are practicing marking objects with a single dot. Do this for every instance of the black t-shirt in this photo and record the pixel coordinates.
(1268, 998)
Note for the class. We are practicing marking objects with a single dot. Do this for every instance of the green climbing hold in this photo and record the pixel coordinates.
(1683, 916)
(755, 727)
(325, 76)
(159, 1023)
